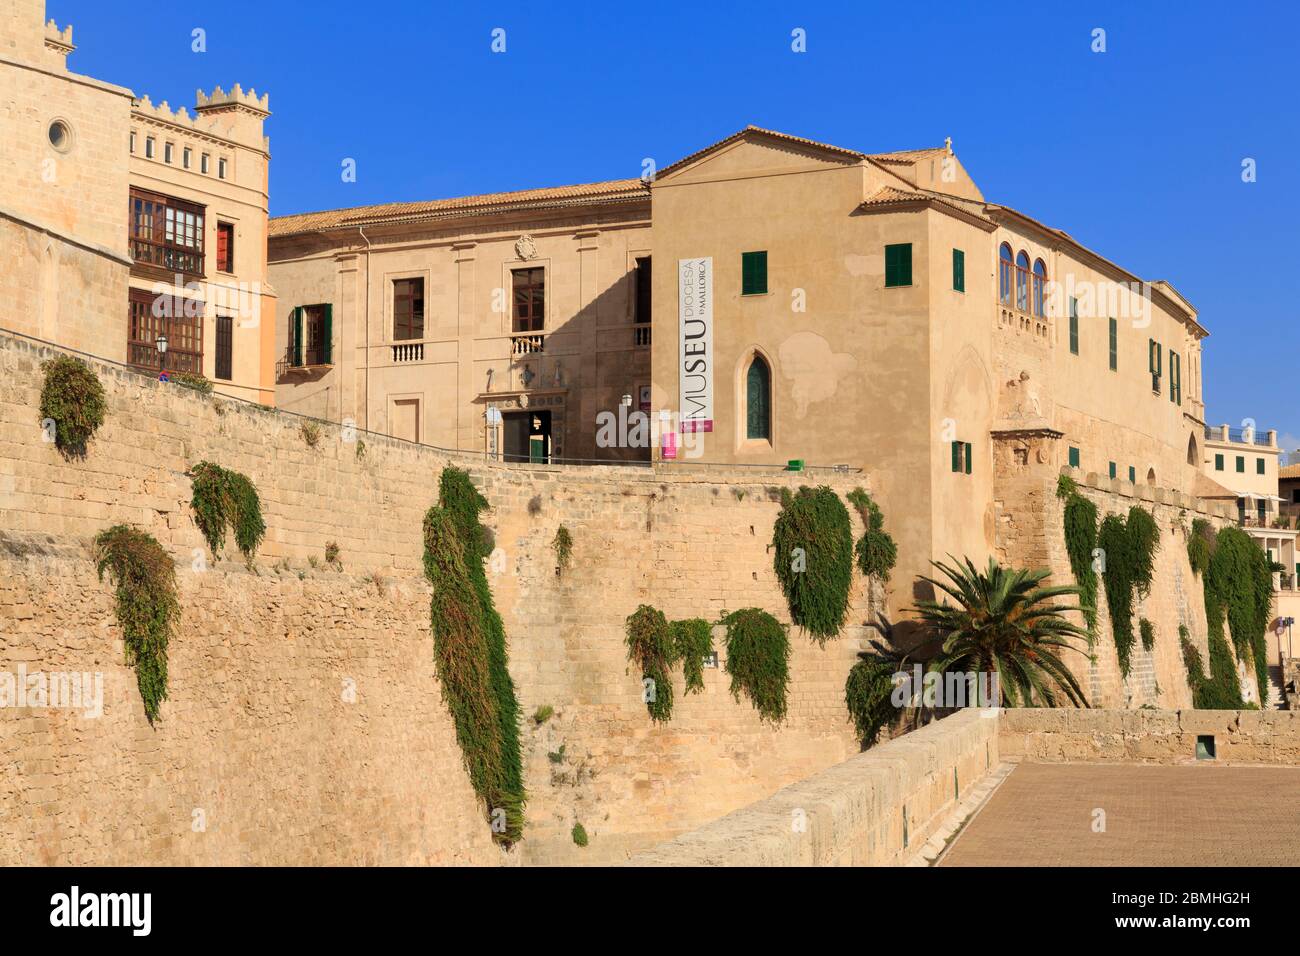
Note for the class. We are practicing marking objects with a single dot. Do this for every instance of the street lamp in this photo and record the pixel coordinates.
(627, 401)
(161, 344)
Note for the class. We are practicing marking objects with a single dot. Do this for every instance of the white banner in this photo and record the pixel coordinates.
(695, 369)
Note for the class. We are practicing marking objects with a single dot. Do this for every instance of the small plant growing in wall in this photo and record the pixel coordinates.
(812, 554)
(543, 714)
(223, 500)
(310, 433)
(146, 605)
(876, 551)
(758, 660)
(72, 399)
(195, 383)
(563, 547)
(332, 555)
(650, 646)
(579, 834)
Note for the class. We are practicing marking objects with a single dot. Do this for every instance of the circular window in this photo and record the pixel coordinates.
(60, 136)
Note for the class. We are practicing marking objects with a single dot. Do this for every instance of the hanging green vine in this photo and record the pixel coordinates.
(651, 647)
(876, 551)
(693, 642)
(812, 554)
(758, 660)
(470, 652)
(1144, 544)
(1221, 690)
(146, 605)
(1200, 545)
(1118, 579)
(73, 399)
(225, 499)
(1080, 539)
(1148, 632)
(1242, 583)
(563, 547)
(868, 695)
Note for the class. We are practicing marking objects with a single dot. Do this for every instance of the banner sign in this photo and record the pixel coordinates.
(695, 368)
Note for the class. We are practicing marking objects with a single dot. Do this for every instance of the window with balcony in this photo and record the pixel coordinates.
(529, 297)
(408, 309)
(641, 304)
(166, 233)
(180, 319)
(311, 336)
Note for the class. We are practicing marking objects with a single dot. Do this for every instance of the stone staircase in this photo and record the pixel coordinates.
(1276, 698)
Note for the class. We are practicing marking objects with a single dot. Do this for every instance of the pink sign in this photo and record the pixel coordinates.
(669, 445)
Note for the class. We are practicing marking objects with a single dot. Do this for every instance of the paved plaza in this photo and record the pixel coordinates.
(1201, 815)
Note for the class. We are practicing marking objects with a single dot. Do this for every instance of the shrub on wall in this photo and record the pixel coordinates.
(650, 646)
(225, 499)
(470, 652)
(1128, 549)
(1144, 544)
(867, 694)
(875, 550)
(812, 553)
(758, 660)
(189, 380)
(146, 605)
(693, 642)
(1221, 689)
(73, 398)
(563, 547)
(1080, 540)
(1243, 587)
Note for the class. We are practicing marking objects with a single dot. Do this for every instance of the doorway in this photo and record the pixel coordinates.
(527, 436)
(404, 419)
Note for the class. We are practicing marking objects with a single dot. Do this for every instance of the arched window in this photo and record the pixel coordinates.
(1022, 281)
(1151, 476)
(1040, 279)
(1193, 457)
(1005, 270)
(758, 400)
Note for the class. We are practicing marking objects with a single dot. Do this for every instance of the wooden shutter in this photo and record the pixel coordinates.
(1114, 345)
(296, 336)
(968, 457)
(753, 273)
(959, 270)
(898, 264)
(956, 456)
(327, 336)
(225, 347)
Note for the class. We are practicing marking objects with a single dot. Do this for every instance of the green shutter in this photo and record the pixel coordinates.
(297, 337)
(1112, 469)
(898, 264)
(1074, 457)
(956, 456)
(327, 333)
(1074, 326)
(968, 457)
(753, 273)
(1218, 463)
(1241, 464)
(1114, 345)
(959, 270)
(1259, 466)
(1132, 475)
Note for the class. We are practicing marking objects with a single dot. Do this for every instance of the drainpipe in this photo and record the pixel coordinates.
(366, 350)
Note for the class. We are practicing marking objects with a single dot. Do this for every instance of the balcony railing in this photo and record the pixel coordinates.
(1240, 436)
(411, 352)
(641, 336)
(527, 343)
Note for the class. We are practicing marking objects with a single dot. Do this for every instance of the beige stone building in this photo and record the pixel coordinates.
(122, 222)
(811, 303)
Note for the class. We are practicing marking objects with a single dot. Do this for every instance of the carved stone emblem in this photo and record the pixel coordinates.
(525, 248)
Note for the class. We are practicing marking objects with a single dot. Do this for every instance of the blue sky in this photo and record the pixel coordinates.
(1137, 151)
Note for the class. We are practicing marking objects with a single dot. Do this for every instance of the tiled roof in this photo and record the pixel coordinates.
(908, 155)
(616, 189)
(1289, 471)
(888, 195)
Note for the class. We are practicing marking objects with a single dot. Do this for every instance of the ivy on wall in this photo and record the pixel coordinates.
(867, 694)
(470, 652)
(73, 399)
(1242, 582)
(812, 554)
(146, 605)
(693, 642)
(656, 644)
(876, 551)
(1148, 632)
(1080, 540)
(222, 500)
(1128, 549)
(758, 660)
(562, 545)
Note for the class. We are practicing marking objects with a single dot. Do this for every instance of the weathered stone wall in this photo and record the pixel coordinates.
(255, 730)
(874, 809)
(1149, 736)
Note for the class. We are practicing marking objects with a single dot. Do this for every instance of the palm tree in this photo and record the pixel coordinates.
(1006, 623)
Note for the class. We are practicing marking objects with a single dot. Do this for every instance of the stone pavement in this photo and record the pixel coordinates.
(1196, 815)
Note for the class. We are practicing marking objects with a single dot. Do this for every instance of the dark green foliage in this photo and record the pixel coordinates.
(470, 650)
(146, 607)
(73, 398)
(812, 553)
(1148, 632)
(543, 714)
(868, 696)
(1080, 540)
(226, 499)
(1200, 545)
(876, 550)
(1004, 621)
(651, 647)
(188, 380)
(758, 660)
(579, 834)
(1192, 661)
(692, 643)
(1222, 689)
(1243, 587)
(1144, 543)
(1119, 577)
(563, 545)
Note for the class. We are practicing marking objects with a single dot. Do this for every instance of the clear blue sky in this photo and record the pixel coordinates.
(1136, 152)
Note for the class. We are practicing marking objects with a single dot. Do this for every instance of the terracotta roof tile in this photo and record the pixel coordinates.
(1289, 471)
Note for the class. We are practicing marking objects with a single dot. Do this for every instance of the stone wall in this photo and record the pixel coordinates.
(1149, 736)
(875, 809)
(256, 731)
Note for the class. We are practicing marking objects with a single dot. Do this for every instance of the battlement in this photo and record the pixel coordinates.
(237, 98)
(60, 41)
